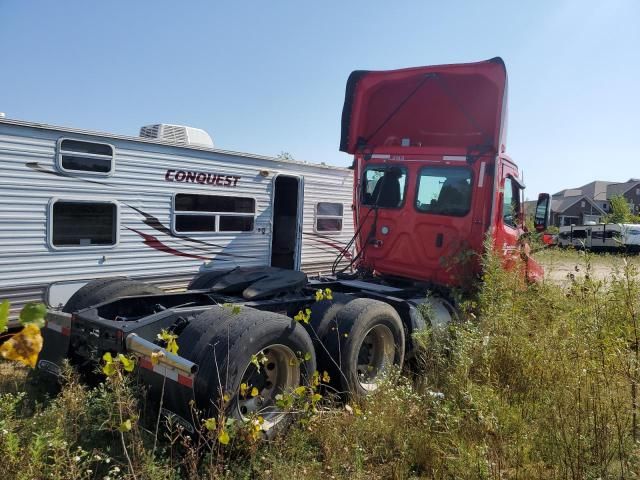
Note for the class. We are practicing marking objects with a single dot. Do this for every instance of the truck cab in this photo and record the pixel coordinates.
(431, 175)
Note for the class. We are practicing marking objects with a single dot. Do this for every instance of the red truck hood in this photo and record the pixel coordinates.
(459, 107)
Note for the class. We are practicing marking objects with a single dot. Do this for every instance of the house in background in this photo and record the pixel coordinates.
(630, 191)
(591, 202)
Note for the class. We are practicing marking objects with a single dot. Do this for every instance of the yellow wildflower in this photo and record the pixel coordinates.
(303, 316)
(24, 346)
(223, 437)
(244, 388)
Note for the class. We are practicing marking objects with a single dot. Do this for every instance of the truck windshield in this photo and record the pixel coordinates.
(444, 191)
(384, 186)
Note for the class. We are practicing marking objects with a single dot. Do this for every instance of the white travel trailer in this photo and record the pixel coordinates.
(78, 205)
(601, 236)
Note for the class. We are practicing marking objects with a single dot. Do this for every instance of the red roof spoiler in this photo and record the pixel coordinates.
(457, 107)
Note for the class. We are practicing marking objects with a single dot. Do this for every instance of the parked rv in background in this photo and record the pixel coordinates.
(79, 205)
(601, 237)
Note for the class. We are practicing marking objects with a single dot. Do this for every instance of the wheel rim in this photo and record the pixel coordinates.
(375, 356)
(279, 372)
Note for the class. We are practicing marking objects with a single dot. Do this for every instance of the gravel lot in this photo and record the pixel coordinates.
(560, 264)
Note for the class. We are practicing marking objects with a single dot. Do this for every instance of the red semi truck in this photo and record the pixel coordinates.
(432, 182)
(437, 136)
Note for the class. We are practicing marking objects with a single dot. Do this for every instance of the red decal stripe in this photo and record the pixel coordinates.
(153, 242)
(340, 248)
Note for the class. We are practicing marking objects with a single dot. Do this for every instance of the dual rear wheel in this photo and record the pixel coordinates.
(358, 342)
(250, 359)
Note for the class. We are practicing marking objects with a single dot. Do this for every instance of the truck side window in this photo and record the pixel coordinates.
(510, 203)
(444, 191)
(384, 186)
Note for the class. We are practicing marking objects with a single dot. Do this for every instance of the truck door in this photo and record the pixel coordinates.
(417, 218)
(509, 218)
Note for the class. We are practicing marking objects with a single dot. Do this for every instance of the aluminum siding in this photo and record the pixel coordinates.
(319, 249)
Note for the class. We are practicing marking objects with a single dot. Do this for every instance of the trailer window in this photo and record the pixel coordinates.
(83, 224)
(329, 217)
(85, 157)
(384, 186)
(195, 213)
(444, 191)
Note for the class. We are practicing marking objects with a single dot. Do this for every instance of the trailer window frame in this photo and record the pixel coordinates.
(115, 226)
(216, 215)
(328, 217)
(61, 153)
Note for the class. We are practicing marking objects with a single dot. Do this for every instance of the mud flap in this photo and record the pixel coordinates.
(56, 337)
(169, 389)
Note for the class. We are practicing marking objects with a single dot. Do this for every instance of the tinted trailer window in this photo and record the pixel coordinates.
(83, 224)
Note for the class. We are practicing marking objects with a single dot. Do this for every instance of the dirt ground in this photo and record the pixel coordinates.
(559, 264)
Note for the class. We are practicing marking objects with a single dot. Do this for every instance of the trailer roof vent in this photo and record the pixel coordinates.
(178, 134)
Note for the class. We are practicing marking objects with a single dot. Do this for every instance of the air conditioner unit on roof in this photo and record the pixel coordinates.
(177, 134)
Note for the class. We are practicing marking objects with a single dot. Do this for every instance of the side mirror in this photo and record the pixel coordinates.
(543, 212)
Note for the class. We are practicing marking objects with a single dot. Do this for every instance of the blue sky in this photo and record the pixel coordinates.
(269, 76)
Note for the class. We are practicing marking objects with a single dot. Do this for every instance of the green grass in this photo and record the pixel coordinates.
(540, 382)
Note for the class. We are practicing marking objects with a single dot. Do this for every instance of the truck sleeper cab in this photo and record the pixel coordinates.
(431, 180)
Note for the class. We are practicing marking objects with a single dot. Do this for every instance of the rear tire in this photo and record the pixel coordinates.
(322, 325)
(223, 343)
(368, 342)
(105, 289)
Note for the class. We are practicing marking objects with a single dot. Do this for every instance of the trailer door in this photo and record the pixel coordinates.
(286, 221)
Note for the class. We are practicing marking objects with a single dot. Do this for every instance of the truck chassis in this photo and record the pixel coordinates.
(231, 318)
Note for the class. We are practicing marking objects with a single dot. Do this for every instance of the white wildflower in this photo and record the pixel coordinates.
(436, 395)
